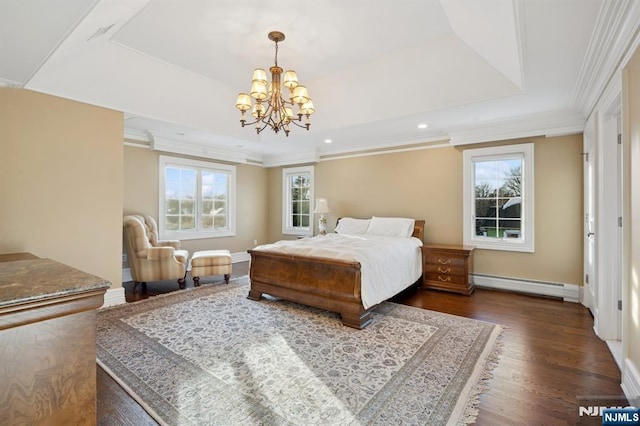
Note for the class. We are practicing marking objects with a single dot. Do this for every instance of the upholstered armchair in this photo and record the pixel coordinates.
(149, 258)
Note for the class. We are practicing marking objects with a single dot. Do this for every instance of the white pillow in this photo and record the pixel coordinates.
(391, 226)
(349, 225)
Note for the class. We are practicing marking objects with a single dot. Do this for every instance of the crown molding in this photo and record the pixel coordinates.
(197, 150)
(137, 135)
(291, 159)
(378, 150)
(10, 83)
(555, 123)
(616, 27)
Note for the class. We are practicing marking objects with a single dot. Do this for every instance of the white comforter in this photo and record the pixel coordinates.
(388, 264)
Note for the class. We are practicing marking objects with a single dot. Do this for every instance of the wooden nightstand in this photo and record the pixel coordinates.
(448, 267)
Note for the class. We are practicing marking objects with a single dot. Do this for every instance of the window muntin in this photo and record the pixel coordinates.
(498, 202)
(298, 200)
(197, 199)
(498, 190)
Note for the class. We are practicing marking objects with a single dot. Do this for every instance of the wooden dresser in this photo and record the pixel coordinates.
(448, 267)
(47, 342)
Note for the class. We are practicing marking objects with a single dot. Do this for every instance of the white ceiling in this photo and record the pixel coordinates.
(375, 69)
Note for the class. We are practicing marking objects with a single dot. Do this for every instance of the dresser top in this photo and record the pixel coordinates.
(34, 279)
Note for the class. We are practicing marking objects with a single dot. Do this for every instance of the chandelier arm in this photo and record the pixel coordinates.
(267, 112)
(263, 127)
(302, 126)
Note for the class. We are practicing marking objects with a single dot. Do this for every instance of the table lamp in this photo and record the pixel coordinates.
(322, 207)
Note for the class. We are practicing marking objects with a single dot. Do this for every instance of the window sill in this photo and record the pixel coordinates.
(505, 244)
(196, 235)
(298, 233)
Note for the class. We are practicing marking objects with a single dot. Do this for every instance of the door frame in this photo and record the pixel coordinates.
(608, 237)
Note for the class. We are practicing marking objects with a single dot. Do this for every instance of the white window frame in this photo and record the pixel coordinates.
(527, 239)
(229, 231)
(287, 225)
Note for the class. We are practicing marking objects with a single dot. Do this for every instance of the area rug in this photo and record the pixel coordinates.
(210, 356)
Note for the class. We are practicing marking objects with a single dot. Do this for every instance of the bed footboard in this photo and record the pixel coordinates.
(323, 283)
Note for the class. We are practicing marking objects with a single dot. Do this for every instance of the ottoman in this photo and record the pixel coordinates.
(210, 262)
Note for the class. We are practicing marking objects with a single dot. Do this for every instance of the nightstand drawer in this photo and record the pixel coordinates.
(443, 269)
(444, 260)
(445, 278)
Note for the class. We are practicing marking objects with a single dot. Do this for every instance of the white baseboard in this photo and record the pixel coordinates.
(567, 292)
(114, 296)
(615, 347)
(126, 275)
(631, 383)
(242, 256)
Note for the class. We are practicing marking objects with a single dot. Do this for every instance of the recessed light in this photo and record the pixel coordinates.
(422, 126)
(328, 141)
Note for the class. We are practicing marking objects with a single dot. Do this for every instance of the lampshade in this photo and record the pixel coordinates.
(300, 95)
(290, 79)
(307, 107)
(322, 206)
(259, 76)
(258, 90)
(244, 102)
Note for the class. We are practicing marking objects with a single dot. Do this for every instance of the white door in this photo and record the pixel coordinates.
(608, 265)
(589, 296)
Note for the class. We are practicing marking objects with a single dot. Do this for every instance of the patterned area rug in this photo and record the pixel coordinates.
(211, 356)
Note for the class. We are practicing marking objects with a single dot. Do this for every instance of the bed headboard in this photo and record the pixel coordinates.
(418, 229)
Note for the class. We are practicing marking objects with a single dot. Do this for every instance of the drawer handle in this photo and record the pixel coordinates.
(444, 270)
(444, 261)
(444, 280)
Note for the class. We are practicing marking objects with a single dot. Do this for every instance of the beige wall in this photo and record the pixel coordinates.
(141, 197)
(427, 184)
(61, 174)
(558, 253)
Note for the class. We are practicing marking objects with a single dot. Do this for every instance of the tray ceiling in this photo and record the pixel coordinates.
(374, 69)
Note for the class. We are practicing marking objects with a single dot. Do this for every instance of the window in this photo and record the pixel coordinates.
(297, 209)
(498, 197)
(197, 199)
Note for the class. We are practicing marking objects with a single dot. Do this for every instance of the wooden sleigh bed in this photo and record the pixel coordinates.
(330, 284)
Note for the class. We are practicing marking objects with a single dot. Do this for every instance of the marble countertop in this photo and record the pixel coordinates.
(32, 279)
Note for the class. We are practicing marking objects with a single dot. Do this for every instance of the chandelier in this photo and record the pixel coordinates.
(271, 108)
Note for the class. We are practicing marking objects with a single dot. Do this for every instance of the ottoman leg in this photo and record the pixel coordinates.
(226, 278)
(196, 281)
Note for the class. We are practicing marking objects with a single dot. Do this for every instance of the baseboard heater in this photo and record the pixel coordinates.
(566, 292)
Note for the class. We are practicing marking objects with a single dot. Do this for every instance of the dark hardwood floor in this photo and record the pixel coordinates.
(551, 358)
